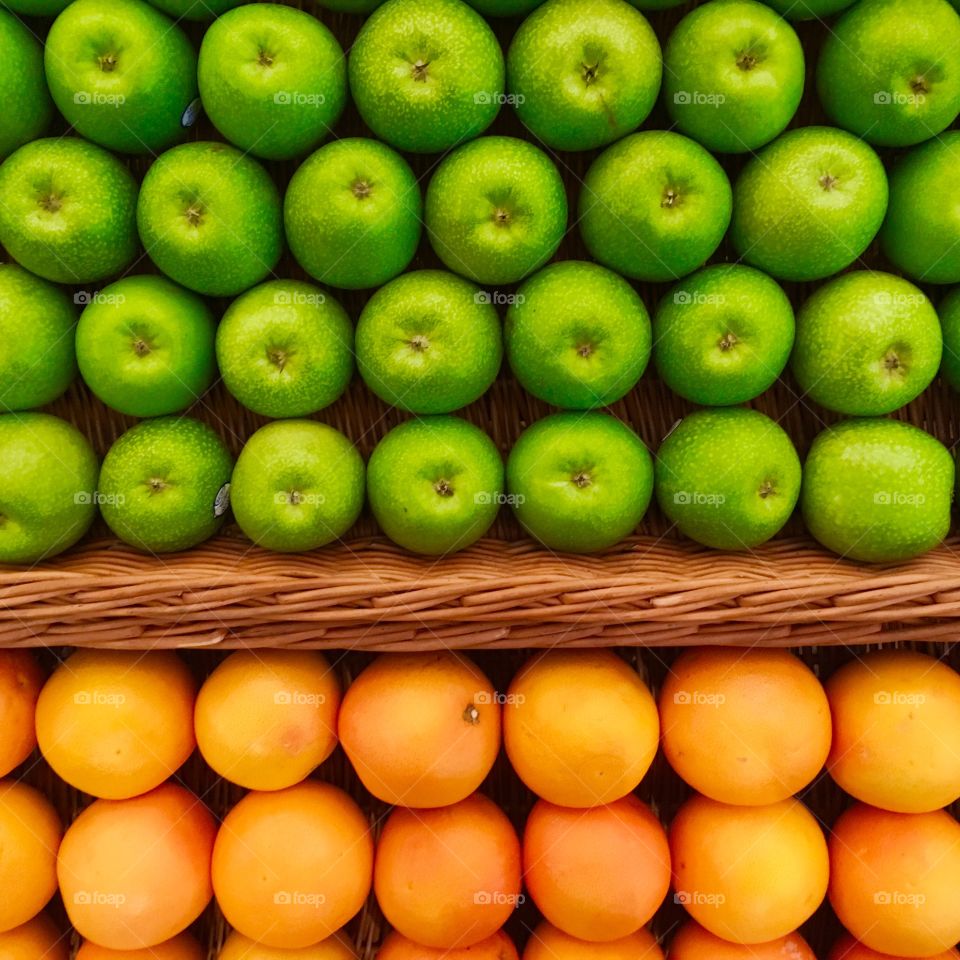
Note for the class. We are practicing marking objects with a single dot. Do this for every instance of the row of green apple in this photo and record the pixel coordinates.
(877, 490)
(274, 80)
(576, 334)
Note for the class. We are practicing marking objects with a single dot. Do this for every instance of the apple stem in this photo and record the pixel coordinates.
(361, 189)
(419, 71)
(443, 488)
(471, 714)
(585, 350)
(277, 357)
(265, 59)
(919, 84)
(671, 197)
(140, 347)
(581, 479)
(727, 341)
(157, 485)
(766, 489)
(501, 216)
(746, 60)
(108, 62)
(590, 72)
(828, 181)
(419, 343)
(194, 214)
(51, 202)
(892, 362)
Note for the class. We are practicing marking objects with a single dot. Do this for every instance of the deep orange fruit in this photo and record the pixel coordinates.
(846, 948)
(239, 947)
(496, 947)
(693, 942)
(182, 947)
(37, 939)
(549, 943)
(20, 681)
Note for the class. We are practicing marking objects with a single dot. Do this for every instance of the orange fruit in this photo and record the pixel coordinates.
(896, 731)
(580, 727)
(266, 719)
(596, 874)
(290, 867)
(37, 939)
(748, 874)
(182, 947)
(895, 879)
(421, 729)
(134, 873)
(20, 681)
(30, 832)
(846, 948)
(496, 947)
(239, 947)
(116, 724)
(448, 877)
(744, 726)
(692, 942)
(549, 943)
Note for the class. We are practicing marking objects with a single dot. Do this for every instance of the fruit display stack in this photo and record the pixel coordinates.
(405, 806)
(566, 270)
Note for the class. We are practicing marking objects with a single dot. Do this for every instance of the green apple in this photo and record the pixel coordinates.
(429, 342)
(579, 482)
(808, 9)
(285, 349)
(867, 343)
(352, 213)
(583, 72)
(48, 479)
(921, 234)
(273, 79)
(504, 8)
(145, 346)
(426, 74)
(122, 74)
(165, 484)
(195, 9)
(877, 490)
(733, 75)
(809, 204)
(297, 485)
(889, 70)
(36, 8)
(37, 320)
(209, 217)
(577, 335)
(728, 478)
(654, 206)
(496, 209)
(950, 322)
(23, 86)
(67, 210)
(723, 335)
(435, 484)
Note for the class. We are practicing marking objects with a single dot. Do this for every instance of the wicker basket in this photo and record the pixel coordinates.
(505, 591)
(661, 788)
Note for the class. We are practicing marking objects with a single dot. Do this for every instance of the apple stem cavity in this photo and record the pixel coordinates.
(471, 714)
(265, 59)
(107, 62)
(50, 202)
(419, 343)
(590, 72)
(767, 489)
(419, 71)
(828, 181)
(443, 488)
(501, 216)
(581, 479)
(746, 60)
(585, 350)
(671, 197)
(919, 84)
(194, 214)
(140, 347)
(893, 364)
(278, 357)
(157, 485)
(728, 341)
(361, 189)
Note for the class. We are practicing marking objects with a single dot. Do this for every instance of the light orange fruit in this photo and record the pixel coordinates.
(30, 832)
(580, 727)
(895, 879)
(748, 874)
(421, 729)
(896, 731)
(182, 947)
(239, 947)
(846, 948)
(693, 942)
(134, 873)
(290, 867)
(20, 681)
(744, 726)
(265, 719)
(596, 874)
(448, 877)
(398, 947)
(549, 943)
(37, 939)
(116, 724)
